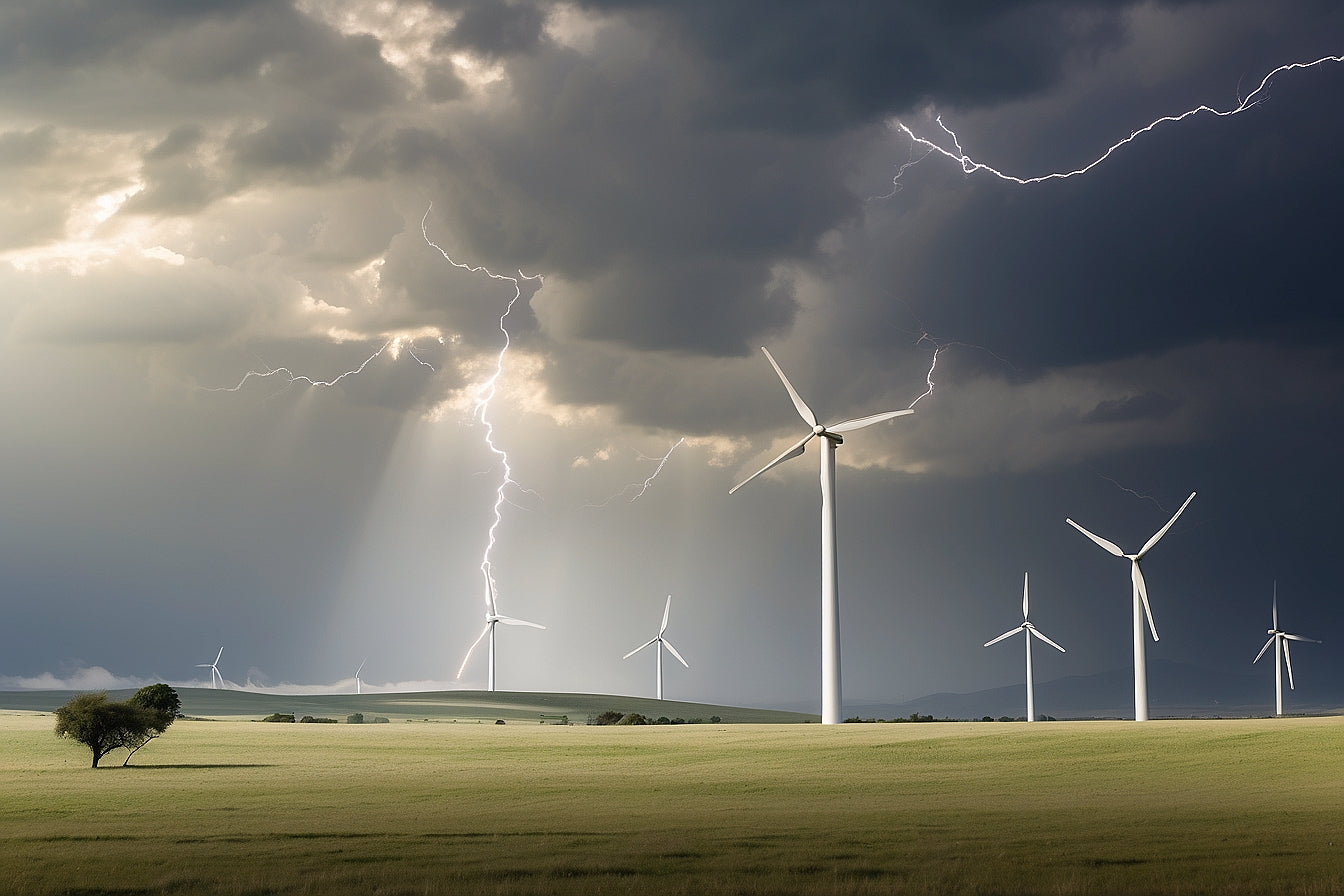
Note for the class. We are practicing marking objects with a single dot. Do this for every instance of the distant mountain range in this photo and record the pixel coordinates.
(1175, 690)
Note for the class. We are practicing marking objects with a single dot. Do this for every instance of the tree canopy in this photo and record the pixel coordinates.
(105, 725)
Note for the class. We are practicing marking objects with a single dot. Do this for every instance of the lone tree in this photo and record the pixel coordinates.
(105, 725)
(162, 706)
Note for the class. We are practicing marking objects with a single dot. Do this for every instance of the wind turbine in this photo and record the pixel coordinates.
(358, 683)
(1280, 639)
(830, 586)
(661, 642)
(1141, 607)
(214, 669)
(1030, 631)
(492, 617)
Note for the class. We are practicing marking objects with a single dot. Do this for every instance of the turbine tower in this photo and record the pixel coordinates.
(1030, 631)
(661, 642)
(359, 684)
(1141, 607)
(492, 617)
(215, 678)
(1280, 639)
(830, 586)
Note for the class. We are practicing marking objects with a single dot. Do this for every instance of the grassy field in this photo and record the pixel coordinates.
(237, 807)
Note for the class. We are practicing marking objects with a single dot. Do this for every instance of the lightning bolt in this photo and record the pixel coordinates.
(971, 166)
(485, 393)
(639, 488)
(392, 347)
(1131, 491)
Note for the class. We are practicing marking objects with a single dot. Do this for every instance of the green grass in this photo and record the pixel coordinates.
(236, 807)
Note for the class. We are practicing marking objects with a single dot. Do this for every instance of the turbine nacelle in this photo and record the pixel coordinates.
(819, 431)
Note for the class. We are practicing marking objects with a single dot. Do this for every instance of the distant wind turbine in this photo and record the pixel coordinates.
(492, 617)
(1280, 640)
(830, 586)
(358, 684)
(1030, 631)
(661, 642)
(215, 678)
(1141, 607)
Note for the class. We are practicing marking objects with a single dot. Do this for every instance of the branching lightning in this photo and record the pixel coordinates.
(1131, 491)
(971, 166)
(485, 393)
(639, 488)
(392, 347)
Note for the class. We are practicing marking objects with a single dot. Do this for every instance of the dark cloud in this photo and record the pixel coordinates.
(1149, 405)
(495, 29)
(808, 66)
(300, 145)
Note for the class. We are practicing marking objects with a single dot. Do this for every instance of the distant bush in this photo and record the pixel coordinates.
(380, 720)
(318, 721)
(610, 717)
(280, 717)
(714, 720)
(987, 719)
(499, 721)
(695, 722)
(633, 718)
(355, 718)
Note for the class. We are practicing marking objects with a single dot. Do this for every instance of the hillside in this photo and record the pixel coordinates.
(437, 706)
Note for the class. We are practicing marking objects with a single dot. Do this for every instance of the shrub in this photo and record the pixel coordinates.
(279, 717)
(355, 718)
(714, 720)
(380, 720)
(318, 721)
(633, 718)
(610, 717)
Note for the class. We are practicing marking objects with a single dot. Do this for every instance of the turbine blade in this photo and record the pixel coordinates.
(1024, 597)
(793, 452)
(1300, 638)
(1263, 649)
(361, 668)
(1276, 605)
(479, 638)
(803, 410)
(1033, 630)
(1163, 531)
(218, 655)
(1140, 584)
(204, 666)
(667, 611)
(1288, 661)
(1007, 634)
(639, 648)
(673, 650)
(509, 620)
(1106, 545)
(861, 422)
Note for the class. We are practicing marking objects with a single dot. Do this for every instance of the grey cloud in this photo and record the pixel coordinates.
(1147, 405)
(495, 29)
(301, 146)
(22, 148)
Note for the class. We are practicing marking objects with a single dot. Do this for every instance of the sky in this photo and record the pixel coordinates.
(190, 193)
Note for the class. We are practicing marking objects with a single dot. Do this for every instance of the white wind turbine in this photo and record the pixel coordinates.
(1280, 639)
(215, 678)
(492, 617)
(661, 642)
(1030, 631)
(359, 684)
(830, 587)
(1141, 607)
